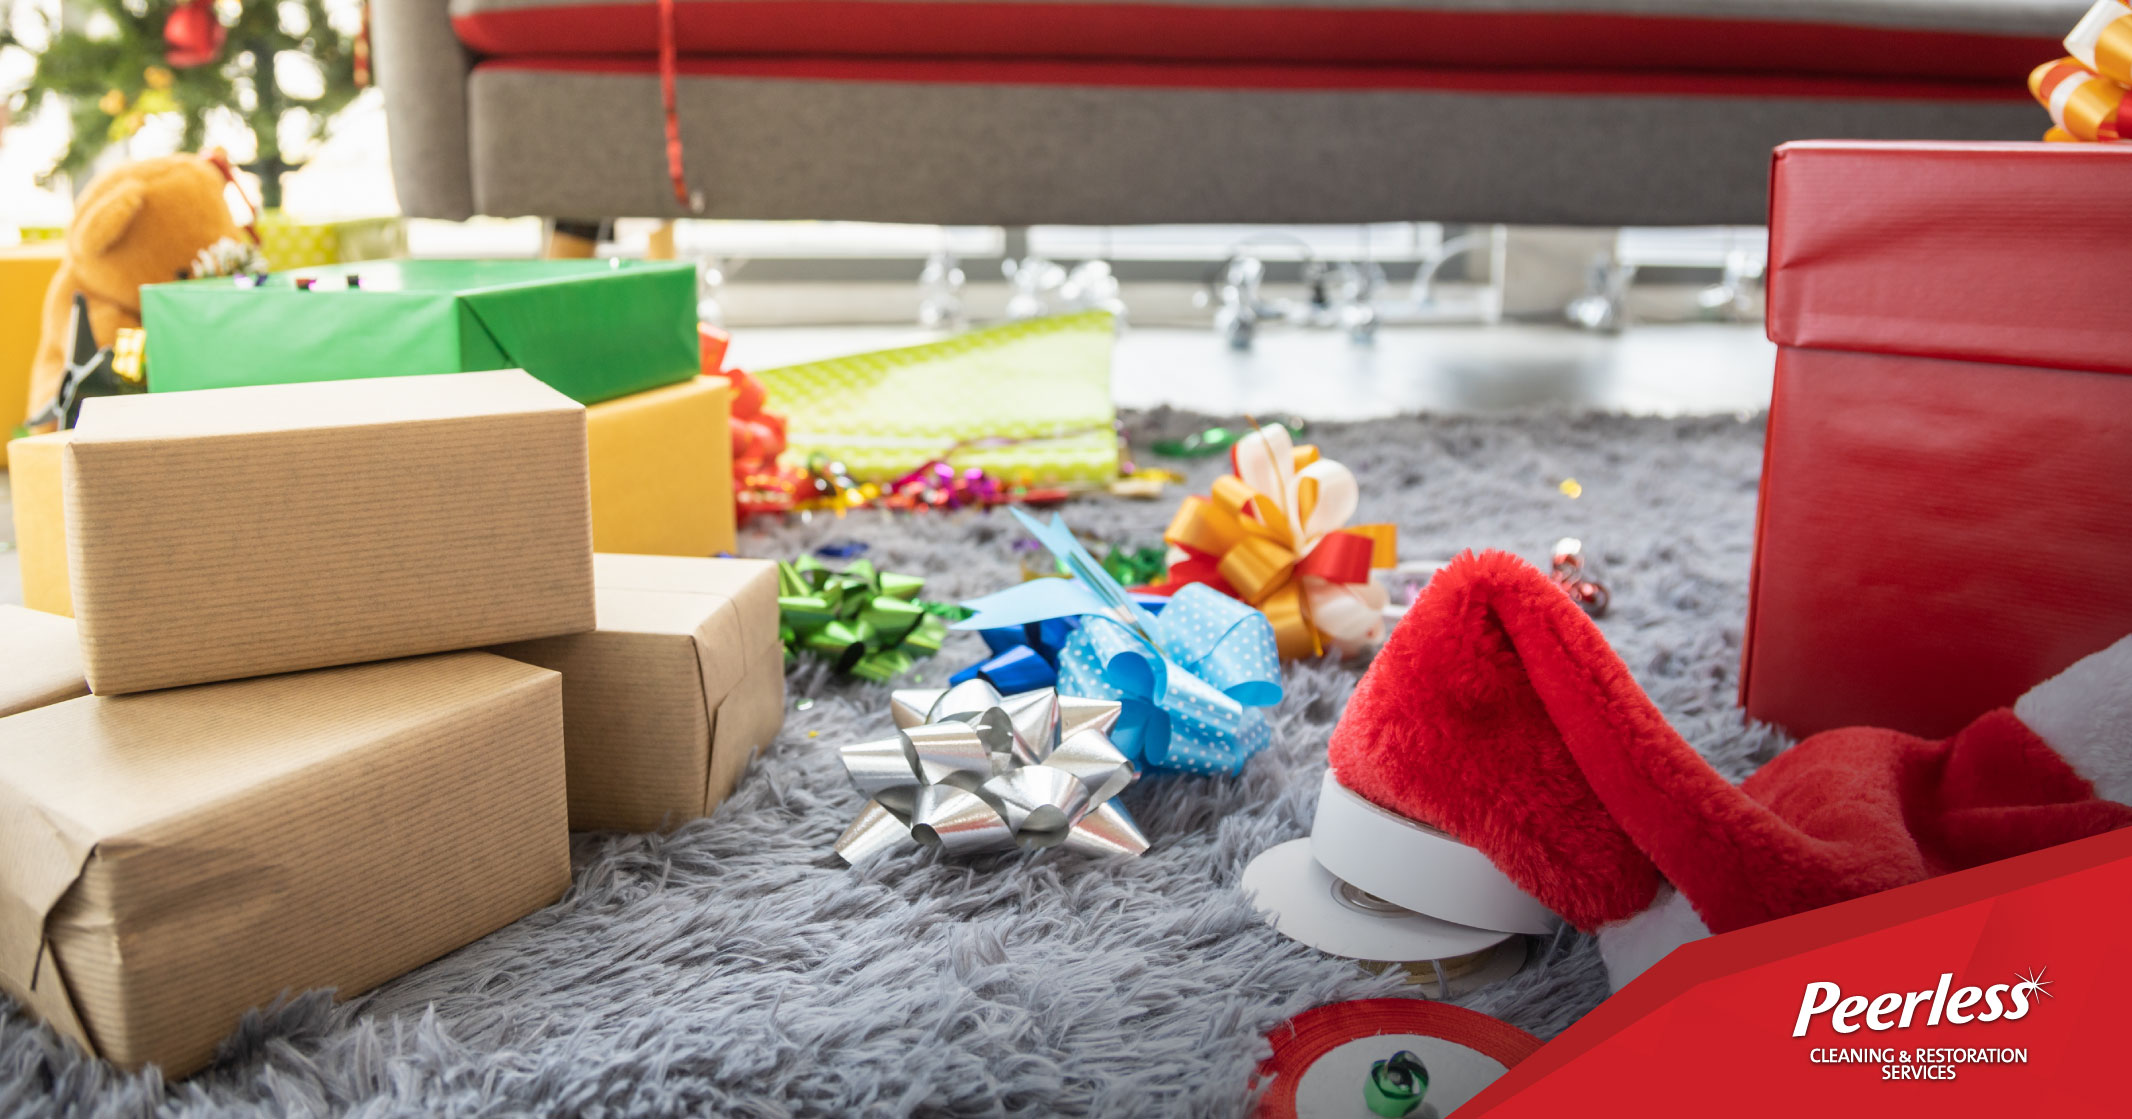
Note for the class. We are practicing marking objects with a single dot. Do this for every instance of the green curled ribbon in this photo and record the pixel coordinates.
(1213, 441)
(871, 623)
(1396, 1086)
(1134, 567)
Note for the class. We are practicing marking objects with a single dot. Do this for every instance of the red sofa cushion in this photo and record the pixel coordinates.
(1889, 40)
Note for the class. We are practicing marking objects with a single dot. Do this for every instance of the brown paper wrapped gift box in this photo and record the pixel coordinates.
(667, 700)
(227, 533)
(40, 661)
(175, 858)
(661, 476)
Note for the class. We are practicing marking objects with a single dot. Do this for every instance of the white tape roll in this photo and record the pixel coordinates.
(1306, 903)
(1415, 866)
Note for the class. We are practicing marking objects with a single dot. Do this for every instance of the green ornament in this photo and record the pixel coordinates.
(1396, 1085)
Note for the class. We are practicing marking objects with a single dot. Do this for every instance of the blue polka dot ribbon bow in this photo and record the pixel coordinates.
(1191, 680)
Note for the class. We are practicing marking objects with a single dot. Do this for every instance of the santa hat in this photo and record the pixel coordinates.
(1498, 713)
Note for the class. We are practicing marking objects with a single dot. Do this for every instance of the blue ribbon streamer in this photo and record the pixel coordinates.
(1191, 675)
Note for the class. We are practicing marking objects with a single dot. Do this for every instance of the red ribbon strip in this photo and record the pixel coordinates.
(1196, 567)
(220, 159)
(1343, 557)
(667, 68)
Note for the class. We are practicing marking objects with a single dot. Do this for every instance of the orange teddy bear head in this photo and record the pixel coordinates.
(144, 223)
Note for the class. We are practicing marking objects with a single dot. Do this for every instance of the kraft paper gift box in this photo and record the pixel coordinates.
(40, 529)
(1029, 401)
(25, 274)
(1944, 506)
(179, 857)
(236, 532)
(667, 700)
(594, 329)
(662, 471)
(660, 467)
(40, 660)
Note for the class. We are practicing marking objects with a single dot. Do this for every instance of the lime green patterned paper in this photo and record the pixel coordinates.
(1045, 381)
(291, 244)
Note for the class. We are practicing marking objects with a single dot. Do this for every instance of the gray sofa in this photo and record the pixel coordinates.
(1018, 112)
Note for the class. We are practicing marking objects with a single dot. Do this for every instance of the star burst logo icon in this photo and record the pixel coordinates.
(2033, 982)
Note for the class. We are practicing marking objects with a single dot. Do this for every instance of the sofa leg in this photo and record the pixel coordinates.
(572, 239)
(660, 246)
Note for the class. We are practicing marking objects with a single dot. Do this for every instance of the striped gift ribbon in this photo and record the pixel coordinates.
(2084, 104)
(2102, 40)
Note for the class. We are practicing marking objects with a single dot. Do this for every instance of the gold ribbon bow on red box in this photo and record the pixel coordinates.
(2083, 105)
(2102, 40)
(1274, 534)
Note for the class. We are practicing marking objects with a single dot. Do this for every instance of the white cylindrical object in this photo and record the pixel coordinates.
(1416, 866)
(1306, 903)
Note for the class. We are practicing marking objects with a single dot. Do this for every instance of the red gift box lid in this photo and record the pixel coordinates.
(2010, 252)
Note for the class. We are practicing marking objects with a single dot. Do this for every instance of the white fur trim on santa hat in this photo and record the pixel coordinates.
(2085, 714)
(1631, 945)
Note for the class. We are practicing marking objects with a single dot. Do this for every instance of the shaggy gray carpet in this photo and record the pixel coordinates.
(736, 967)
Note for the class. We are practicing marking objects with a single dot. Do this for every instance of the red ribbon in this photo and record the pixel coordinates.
(220, 159)
(667, 67)
(1342, 557)
(1196, 567)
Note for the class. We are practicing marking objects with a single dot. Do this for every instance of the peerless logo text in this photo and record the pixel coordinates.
(1847, 1014)
(1898, 1010)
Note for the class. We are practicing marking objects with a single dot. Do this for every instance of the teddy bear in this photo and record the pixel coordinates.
(140, 223)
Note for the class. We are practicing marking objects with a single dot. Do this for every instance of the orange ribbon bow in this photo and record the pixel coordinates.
(1275, 535)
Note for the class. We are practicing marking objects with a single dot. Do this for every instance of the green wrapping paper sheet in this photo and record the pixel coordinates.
(593, 329)
(1041, 386)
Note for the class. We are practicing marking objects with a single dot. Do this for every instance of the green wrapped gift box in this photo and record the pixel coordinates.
(594, 329)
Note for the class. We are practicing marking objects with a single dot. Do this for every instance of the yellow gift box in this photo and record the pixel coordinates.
(40, 530)
(25, 273)
(662, 471)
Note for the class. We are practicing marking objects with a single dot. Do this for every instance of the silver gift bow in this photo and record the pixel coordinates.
(970, 770)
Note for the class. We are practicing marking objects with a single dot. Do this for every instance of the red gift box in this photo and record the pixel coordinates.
(1946, 503)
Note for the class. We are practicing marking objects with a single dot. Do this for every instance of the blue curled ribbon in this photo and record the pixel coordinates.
(1191, 678)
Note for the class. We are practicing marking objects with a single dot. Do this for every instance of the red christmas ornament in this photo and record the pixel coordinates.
(194, 35)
